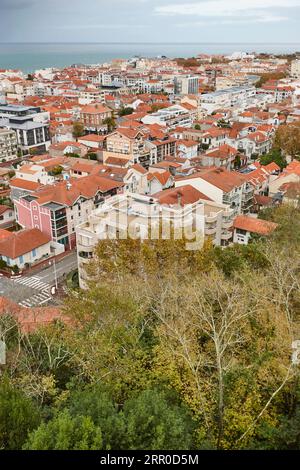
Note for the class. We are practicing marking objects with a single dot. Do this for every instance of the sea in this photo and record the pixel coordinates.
(33, 56)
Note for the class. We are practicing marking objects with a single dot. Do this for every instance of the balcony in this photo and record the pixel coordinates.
(226, 224)
(210, 230)
(248, 189)
(226, 235)
(247, 197)
(209, 219)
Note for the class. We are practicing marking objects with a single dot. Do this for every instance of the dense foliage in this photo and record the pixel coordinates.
(167, 349)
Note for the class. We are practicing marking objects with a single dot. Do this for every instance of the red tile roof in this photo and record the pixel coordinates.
(31, 319)
(250, 224)
(19, 243)
(4, 208)
(23, 184)
(184, 194)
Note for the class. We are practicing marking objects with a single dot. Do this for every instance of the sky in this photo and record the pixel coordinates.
(183, 21)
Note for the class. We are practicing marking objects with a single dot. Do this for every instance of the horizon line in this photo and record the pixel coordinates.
(149, 43)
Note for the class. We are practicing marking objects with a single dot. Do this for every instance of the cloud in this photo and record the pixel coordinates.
(236, 10)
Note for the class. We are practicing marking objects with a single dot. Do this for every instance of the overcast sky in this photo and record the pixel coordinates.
(150, 21)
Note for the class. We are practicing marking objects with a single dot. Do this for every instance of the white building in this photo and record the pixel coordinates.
(230, 97)
(8, 145)
(295, 68)
(171, 117)
(133, 214)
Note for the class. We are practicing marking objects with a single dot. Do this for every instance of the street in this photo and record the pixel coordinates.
(34, 290)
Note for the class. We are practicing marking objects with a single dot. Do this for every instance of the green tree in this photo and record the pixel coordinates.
(110, 122)
(197, 127)
(66, 433)
(126, 111)
(155, 422)
(78, 130)
(274, 156)
(96, 403)
(18, 416)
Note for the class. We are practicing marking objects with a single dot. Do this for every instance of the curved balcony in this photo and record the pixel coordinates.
(227, 224)
(211, 218)
(226, 235)
(210, 230)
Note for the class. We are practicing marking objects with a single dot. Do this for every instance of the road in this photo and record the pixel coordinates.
(34, 290)
(63, 267)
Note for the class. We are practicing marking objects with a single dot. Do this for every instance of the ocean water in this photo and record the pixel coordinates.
(33, 56)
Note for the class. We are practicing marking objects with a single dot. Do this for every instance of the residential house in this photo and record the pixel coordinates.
(25, 247)
(246, 227)
(7, 216)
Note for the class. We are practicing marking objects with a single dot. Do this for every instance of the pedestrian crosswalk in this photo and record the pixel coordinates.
(34, 283)
(36, 300)
(43, 295)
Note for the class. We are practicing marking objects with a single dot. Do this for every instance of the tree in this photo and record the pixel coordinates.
(18, 416)
(274, 156)
(197, 127)
(92, 156)
(110, 122)
(66, 433)
(126, 111)
(78, 130)
(97, 403)
(56, 170)
(72, 155)
(287, 139)
(265, 77)
(155, 422)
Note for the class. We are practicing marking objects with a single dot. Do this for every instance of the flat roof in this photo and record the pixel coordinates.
(16, 107)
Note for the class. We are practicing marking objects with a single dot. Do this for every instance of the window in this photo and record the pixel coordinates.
(33, 252)
(21, 259)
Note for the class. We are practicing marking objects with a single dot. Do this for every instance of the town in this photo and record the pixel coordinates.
(78, 142)
(103, 325)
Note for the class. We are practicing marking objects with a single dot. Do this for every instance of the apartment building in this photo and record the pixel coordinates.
(223, 187)
(218, 218)
(228, 98)
(8, 145)
(171, 117)
(92, 117)
(295, 68)
(30, 125)
(134, 213)
(223, 156)
(56, 210)
(128, 144)
(33, 113)
(186, 85)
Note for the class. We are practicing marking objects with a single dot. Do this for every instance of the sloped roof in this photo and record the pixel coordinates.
(185, 194)
(253, 225)
(19, 243)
